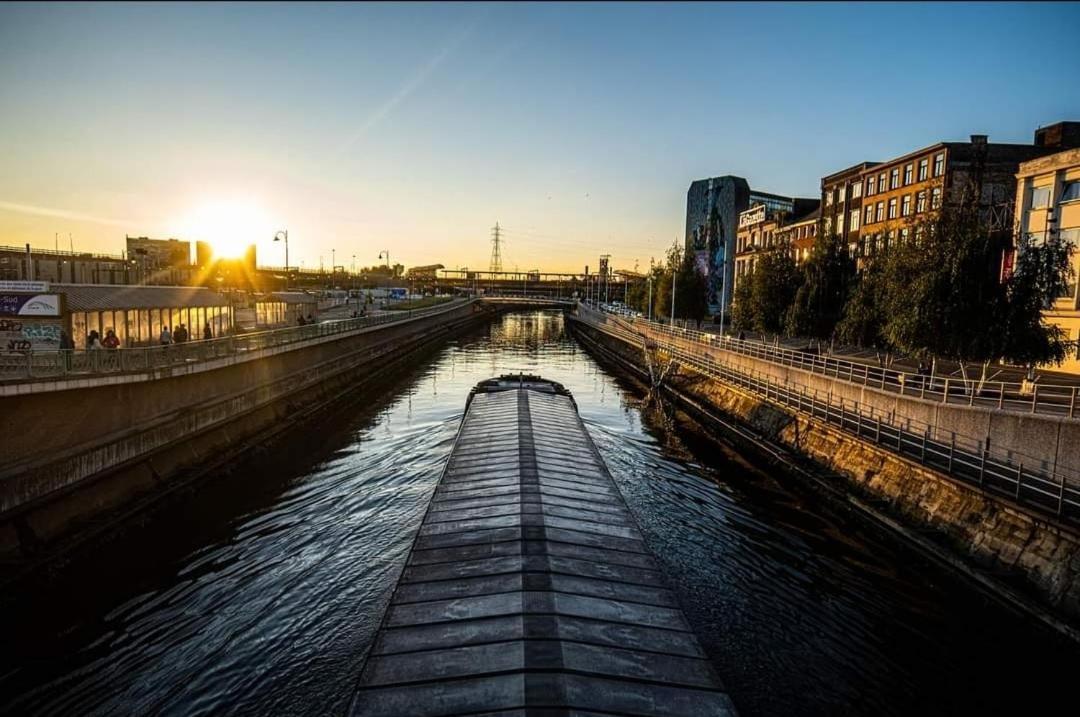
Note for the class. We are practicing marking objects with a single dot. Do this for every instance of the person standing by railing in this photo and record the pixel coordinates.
(67, 348)
(180, 335)
(207, 332)
(166, 336)
(111, 340)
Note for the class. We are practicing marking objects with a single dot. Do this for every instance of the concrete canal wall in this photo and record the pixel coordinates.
(93, 445)
(985, 535)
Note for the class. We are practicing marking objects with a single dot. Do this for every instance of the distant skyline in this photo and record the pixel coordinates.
(414, 127)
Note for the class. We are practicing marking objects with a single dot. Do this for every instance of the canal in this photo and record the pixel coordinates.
(258, 591)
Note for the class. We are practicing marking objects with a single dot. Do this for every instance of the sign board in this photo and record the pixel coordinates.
(35, 286)
(398, 293)
(27, 304)
(754, 215)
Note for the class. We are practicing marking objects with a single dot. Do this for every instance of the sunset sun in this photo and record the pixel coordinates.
(229, 226)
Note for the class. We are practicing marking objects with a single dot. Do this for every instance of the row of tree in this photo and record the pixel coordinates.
(689, 284)
(941, 294)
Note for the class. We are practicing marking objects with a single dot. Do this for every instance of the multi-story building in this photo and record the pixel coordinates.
(800, 234)
(763, 228)
(897, 194)
(1048, 207)
(712, 215)
(161, 261)
(65, 266)
(841, 202)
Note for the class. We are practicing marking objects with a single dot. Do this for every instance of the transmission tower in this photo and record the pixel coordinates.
(496, 252)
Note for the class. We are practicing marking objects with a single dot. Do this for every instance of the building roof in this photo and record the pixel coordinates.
(105, 297)
(808, 217)
(292, 297)
(853, 169)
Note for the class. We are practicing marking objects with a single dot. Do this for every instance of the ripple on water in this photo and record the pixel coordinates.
(260, 592)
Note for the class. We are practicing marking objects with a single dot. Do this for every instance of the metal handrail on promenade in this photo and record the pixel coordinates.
(1034, 397)
(1052, 492)
(20, 366)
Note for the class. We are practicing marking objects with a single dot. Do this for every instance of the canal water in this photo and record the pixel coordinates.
(258, 592)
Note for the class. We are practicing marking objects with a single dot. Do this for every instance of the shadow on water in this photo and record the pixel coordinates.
(258, 592)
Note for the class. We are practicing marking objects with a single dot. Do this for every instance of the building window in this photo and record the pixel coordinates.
(881, 183)
(892, 208)
(924, 166)
(908, 169)
(869, 214)
(920, 202)
(1070, 191)
(935, 198)
(895, 178)
(828, 198)
(856, 190)
(870, 187)
(939, 164)
(842, 192)
(1040, 197)
(881, 211)
(905, 206)
(904, 234)
(828, 225)
(854, 220)
(888, 239)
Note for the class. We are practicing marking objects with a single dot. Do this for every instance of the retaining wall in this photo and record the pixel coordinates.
(997, 536)
(86, 450)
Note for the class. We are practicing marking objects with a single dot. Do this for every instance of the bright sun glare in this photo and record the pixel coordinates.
(228, 226)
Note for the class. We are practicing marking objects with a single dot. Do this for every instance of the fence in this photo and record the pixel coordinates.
(36, 365)
(965, 458)
(1034, 397)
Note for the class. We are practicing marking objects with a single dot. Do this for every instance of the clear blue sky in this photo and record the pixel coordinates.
(415, 127)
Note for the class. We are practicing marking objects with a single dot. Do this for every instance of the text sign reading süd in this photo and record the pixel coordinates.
(18, 304)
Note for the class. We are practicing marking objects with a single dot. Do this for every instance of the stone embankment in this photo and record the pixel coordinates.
(95, 446)
(1028, 557)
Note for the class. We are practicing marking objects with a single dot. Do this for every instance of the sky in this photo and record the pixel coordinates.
(413, 128)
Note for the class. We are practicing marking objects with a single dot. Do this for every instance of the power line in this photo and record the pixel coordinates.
(496, 251)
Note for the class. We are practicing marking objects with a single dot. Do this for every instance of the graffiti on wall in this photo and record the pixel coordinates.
(28, 334)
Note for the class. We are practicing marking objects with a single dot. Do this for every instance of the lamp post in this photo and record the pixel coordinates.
(279, 236)
(674, 276)
(650, 297)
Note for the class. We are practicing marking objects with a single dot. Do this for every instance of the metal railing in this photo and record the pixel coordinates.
(1033, 397)
(21, 366)
(965, 458)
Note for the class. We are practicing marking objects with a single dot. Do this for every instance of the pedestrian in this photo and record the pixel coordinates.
(111, 340)
(180, 335)
(93, 340)
(300, 320)
(742, 335)
(207, 332)
(166, 336)
(67, 348)
(310, 320)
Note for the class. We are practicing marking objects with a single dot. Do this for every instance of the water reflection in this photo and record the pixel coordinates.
(259, 592)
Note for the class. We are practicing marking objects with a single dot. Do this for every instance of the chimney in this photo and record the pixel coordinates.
(978, 140)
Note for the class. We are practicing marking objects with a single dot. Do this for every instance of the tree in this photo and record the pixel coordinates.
(690, 286)
(742, 317)
(943, 295)
(1043, 273)
(773, 285)
(862, 320)
(828, 278)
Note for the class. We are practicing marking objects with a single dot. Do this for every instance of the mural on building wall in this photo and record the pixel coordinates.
(716, 249)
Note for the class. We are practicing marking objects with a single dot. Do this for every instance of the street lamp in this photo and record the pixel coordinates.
(279, 236)
(387, 253)
(674, 275)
